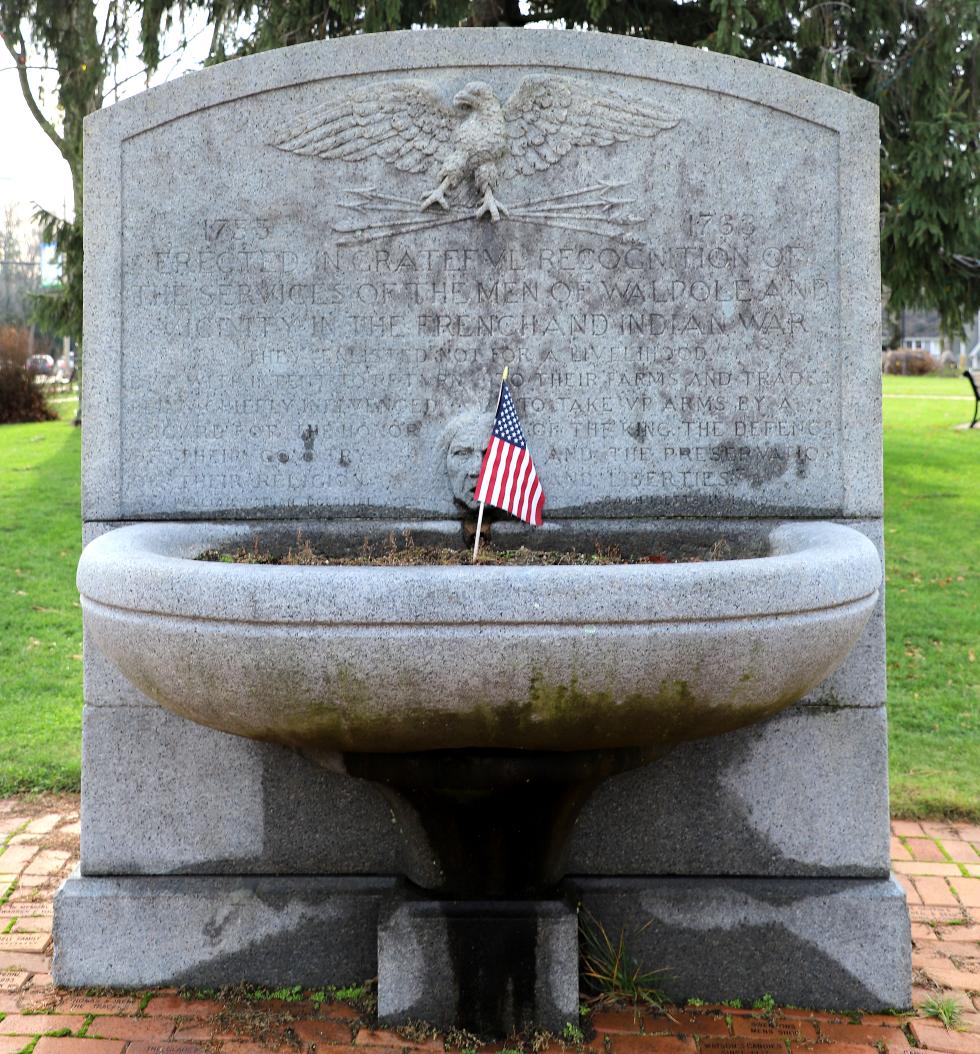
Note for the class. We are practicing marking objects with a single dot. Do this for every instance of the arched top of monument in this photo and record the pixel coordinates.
(412, 51)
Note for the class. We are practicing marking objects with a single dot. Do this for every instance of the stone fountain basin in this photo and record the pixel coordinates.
(404, 659)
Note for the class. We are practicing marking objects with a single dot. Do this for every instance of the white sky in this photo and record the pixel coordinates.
(32, 171)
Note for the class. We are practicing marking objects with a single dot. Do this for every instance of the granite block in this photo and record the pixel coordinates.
(491, 968)
(803, 794)
(143, 932)
(103, 683)
(161, 795)
(705, 329)
(830, 944)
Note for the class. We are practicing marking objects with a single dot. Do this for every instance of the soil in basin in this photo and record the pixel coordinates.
(404, 551)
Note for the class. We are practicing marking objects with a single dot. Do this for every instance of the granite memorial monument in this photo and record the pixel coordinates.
(305, 271)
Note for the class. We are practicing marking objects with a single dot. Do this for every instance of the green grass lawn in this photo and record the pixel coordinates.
(935, 386)
(932, 598)
(932, 502)
(40, 620)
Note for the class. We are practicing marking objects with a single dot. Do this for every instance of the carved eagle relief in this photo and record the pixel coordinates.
(477, 138)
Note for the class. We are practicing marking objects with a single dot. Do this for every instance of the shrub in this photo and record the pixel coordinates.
(21, 400)
(911, 362)
(16, 344)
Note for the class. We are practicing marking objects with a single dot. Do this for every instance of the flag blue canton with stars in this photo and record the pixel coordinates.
(507, 426)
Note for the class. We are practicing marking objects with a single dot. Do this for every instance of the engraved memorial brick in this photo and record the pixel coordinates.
(12, 980)
(23, 942)
(739, 1045)
(26, 910)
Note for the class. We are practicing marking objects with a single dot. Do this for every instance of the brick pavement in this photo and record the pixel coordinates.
(939, 865)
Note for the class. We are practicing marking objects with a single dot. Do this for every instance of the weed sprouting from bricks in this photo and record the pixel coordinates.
(361, 997)
(417, 1032)
(461, 1040)
(525, 1041)
(572, 1034)
(612, 973)
(945, 1009)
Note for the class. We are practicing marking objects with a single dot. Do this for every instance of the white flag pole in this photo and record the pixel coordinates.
(479, 518)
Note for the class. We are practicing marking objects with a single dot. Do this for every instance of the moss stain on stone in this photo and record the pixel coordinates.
(554, 715)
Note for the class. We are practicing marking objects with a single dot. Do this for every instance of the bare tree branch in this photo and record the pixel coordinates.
(7, 69)
(20, 59)
(105, 28)
(218, 15)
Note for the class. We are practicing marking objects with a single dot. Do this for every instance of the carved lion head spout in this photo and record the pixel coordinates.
(464, 441)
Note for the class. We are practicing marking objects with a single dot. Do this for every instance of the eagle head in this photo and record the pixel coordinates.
(475, 96)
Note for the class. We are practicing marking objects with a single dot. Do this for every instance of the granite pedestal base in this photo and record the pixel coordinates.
(826, 943)
(137, 932)
(490, 967)
(830, 943)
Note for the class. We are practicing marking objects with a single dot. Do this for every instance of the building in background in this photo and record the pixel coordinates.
(921, 331)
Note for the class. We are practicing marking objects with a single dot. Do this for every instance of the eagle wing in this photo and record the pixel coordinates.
(547, 116)
(401, 121)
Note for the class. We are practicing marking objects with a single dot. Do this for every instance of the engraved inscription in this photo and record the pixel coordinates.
(676, 352)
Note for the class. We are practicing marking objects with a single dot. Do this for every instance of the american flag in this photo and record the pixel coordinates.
(507, 477)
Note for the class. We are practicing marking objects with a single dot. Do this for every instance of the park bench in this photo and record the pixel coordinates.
(976, 395)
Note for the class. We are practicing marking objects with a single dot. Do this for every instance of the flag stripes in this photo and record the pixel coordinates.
(509, 482)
